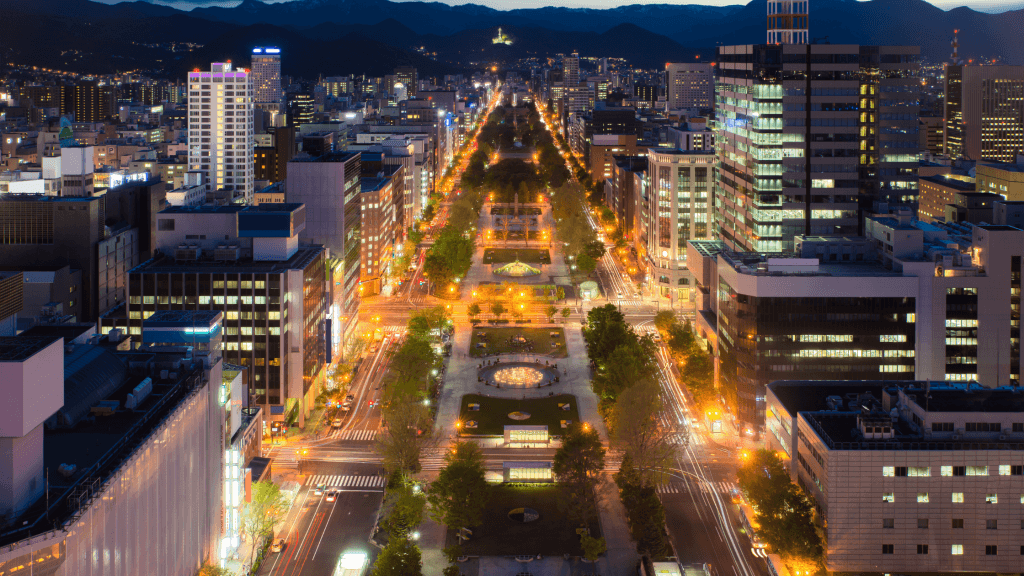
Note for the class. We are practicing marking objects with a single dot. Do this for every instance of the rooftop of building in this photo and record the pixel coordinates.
(167, 265)
(343, 156)
(838, 412)
(277, 207)
(69, 332)
(1004, 166)
(791, 264)
(20, 348)
(99, 445)
(708, 248)
(942, 180)
(372, 183)
(679, 152)
(182, 317)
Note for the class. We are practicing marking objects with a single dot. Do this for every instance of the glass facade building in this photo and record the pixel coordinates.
(809, 136)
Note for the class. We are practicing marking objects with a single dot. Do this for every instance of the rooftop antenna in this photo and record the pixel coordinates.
(955, 44)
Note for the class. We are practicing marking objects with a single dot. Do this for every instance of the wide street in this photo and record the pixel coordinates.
(703, 522)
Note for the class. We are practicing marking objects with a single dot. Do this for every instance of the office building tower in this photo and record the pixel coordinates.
(571, 70)
(271, 162)
(984, 111)
(681, 209)
(908, 477)
(247, 262)
(787, 21)
(930, 129)
(791, 162)
(329, 187)
(300, 109)
(378, 220)
(909, 301)
(689, 85)
(220, 130)
(409, 78)
(266, 79)
(49, 231)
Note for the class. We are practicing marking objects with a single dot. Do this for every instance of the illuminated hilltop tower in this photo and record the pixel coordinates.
(787, 21)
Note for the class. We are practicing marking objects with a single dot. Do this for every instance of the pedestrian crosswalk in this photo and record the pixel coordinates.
(345, 481)
(668, 489)
(676, 487)
(364, 435)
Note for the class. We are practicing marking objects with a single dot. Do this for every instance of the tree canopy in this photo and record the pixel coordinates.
(458, 496)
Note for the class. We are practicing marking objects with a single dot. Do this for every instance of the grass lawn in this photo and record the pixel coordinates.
(497, 338)
(527, 255)
(553, 534)
(493, 414)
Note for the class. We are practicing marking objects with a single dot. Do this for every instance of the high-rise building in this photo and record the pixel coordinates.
(787, 21)
(790, 163)
(329, 187)
(681, 209)
(409, 77)
(690, 85)
(300, 109)
(984, 111)
(909, 301)
(92, 101)
(571, 70)
(931, 129)
(909, 477)
(247, 262)
(220, 130)
(266, 79)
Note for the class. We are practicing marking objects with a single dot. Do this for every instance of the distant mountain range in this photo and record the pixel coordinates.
(333, 37)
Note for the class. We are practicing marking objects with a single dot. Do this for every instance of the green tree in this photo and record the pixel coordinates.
(473, 310)
(644, 511)
(606, 329)
(784, 511)
(409, 431)
(631, 361)
(498, 309)
(267, 506)
(699, 376)
(639, 432)
(664, 320)
(592, 547)
(458, 497)
(550, 312)
(585, 264)
(559, 293)
(681, 340)
(402, 510)
(410, 368)
(565, 313)
(399, 558)
(577, 465)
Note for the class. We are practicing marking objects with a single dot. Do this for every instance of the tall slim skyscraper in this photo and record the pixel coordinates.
(266, 79)
(690, 85)
(220, 131)
(787, 21)
(984, 111)
(571, 70)
(802, 153)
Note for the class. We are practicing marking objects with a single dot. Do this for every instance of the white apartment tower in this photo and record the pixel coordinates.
(690, 85)
(266, 79)
(787, 21)
(220, 129)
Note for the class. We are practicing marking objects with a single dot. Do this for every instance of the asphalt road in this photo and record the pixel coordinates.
(319, 532)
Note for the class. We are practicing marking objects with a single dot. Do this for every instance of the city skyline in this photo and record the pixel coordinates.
(986, 6)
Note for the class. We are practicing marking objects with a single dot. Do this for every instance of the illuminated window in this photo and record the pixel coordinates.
(958, 497)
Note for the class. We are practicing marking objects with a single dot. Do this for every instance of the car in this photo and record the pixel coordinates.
(346, 406)
(657, 337)
(336, 423)
(332, 495)
(319, 490)
(277, 546)
(620, 295)
(350, 398)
